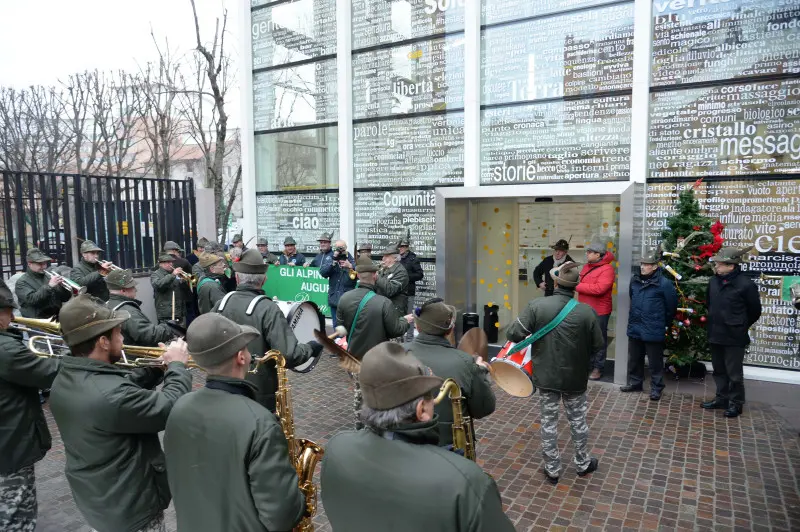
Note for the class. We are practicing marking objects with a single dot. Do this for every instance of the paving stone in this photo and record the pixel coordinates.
(670, 466)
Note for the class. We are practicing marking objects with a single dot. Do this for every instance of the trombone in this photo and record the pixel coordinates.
(35, 326)
(74, 288)
(46, 345)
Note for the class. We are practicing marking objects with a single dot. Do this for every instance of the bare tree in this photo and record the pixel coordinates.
(33, 136)
(210, 129)
(161, 119)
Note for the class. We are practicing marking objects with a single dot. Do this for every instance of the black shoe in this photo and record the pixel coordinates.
(715, 404)
(631, 388)
(591, 469)
(552, 480)
(733, 411)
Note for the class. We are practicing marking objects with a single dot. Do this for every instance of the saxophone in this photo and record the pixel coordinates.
(462, 425)
(303, 454)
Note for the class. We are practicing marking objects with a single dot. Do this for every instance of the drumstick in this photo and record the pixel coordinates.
(340, 331)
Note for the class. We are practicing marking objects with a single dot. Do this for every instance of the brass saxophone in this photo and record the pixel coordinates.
(462, 425)
(303, 454)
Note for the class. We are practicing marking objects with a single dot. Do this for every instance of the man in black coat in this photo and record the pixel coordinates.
(541, 273)
(733, 307)
(411, 263)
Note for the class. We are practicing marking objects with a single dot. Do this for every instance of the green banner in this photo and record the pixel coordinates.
(296, 283)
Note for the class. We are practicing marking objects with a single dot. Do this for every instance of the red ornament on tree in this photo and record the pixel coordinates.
(702, 319)
(687, 322)
(697, 267)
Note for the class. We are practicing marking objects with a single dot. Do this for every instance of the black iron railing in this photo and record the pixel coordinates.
(130, 218)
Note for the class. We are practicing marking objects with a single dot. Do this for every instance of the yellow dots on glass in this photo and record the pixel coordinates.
(610, 245)
(617, 209)
(497, 324)
(499, 281)
(505, 297)
(491, 252)
(508, 272)
(482, 281)
(508, 262)
(491, 286)
(508, 226)
(496, 209)
(605, 224)
(490, 304)
(485, 247)
(527, 220)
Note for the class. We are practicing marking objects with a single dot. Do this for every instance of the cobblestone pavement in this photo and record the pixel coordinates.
(663, 466)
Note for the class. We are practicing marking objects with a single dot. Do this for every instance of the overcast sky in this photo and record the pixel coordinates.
(42, 41)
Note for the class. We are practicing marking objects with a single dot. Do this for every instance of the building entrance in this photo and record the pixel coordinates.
(491, 246)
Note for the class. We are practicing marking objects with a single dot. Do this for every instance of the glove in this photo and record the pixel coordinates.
(316, 348)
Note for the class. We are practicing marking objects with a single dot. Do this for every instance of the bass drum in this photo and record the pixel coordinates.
(304, 318)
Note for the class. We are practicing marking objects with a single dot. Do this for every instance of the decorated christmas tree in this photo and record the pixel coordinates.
(688, 242)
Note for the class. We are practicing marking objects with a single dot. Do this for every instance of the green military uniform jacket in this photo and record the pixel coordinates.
(365, 475)
(377, 322)
(448, 362)
(270, 258)
(562, 358)
(37, 299)
(88, 275)
(210, 292)
(138, 329)
(109, 420)
(24, 438)
(164, 285)
(393, 283)
(245, 466)
(268, 319)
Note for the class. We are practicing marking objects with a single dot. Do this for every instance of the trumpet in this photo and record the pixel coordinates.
(110, 269)
(68, 284)
(764, 277)
(37, 326)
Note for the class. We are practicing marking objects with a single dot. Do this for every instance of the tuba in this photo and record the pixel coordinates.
(463, 435)
(303, 454)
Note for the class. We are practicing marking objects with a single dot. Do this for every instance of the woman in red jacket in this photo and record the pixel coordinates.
(594, 289)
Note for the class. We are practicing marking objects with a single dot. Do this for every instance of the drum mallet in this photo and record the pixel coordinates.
(339, 331)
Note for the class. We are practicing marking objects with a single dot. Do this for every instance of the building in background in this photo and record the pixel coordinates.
(509, 124)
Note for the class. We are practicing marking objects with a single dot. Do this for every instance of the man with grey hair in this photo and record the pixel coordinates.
(393, 279)
(247, 305)
(392, 473)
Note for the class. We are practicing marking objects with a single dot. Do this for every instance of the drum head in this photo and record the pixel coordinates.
(511, 379)
(304, 318)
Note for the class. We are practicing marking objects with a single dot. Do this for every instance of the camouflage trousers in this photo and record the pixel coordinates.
(156, 525)
(576, 407)
(358, 401)
(18, 507)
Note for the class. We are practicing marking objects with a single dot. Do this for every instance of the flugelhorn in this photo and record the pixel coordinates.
(68, 284)
(51, 327)
(764, 277)
(463, 439)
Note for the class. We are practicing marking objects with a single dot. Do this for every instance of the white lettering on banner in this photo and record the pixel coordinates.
(302, 273)
(305, 222)
(400, 199)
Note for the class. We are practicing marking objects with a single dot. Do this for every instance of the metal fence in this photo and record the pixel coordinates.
(130, 218)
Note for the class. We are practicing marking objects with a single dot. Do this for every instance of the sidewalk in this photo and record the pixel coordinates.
(663, 466)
